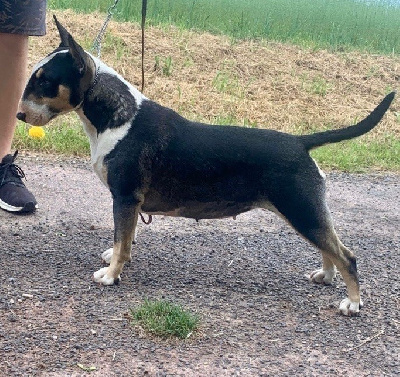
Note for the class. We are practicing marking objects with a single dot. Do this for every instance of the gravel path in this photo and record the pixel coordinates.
(245, 277)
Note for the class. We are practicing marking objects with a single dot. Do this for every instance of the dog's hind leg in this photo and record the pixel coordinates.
(327, 273)
(125, 221)
(308, 213)
(335, 254)
(107, 255)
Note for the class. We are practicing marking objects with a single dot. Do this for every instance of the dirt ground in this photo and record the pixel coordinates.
(245, 278)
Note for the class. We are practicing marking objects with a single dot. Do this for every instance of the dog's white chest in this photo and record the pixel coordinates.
(102, 144)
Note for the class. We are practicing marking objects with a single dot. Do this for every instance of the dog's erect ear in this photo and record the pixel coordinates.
(63, 33)
(77, 52)
(79, 55)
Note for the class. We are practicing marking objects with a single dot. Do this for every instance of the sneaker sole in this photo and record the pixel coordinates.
(27, 208)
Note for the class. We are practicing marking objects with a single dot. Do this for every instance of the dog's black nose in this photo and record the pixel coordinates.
(21, 116)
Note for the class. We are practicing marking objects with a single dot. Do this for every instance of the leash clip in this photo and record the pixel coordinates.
(148, 222)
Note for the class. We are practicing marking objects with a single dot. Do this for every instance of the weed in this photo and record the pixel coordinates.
(320, 86)
(226, 81)
(231, 120)
(167, 67)
(115, 44)
(226, 120)
(221, 82)
(188, 62)
(165, 64)
(164, 319)
(248, 123)
(317, 85)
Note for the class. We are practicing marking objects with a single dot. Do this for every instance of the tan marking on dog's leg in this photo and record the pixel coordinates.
(349, 272)
(110, 275)
(345, 261)
(125, 221)
(326, 274)
(117, 262)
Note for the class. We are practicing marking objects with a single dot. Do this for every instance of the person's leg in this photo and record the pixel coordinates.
(19, 19)
(13, 64)
(14, 196)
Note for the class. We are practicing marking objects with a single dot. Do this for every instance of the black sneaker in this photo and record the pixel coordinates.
(14, 196)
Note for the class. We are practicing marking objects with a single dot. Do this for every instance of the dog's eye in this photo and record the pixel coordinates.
(45, 83)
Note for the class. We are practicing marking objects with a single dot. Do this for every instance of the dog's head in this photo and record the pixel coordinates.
(58, 82)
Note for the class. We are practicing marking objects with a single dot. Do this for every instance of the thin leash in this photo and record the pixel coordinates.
(97, 47)
(144, 11)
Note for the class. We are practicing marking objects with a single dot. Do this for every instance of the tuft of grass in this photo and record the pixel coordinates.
(166, 66)
(231, 120)
(317, 85)
(227, 82)
(164, 319)
(116, 45)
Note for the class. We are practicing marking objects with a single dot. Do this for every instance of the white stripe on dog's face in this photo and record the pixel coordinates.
(45, 60)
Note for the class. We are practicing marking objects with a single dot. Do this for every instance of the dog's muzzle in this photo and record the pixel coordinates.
(35, 114)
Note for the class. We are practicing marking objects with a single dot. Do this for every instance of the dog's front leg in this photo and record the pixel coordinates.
(125, 221)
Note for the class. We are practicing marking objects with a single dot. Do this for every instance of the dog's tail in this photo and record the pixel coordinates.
(334, 136)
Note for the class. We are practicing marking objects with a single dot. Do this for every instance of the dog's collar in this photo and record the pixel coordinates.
(91, 87)
(95, 81)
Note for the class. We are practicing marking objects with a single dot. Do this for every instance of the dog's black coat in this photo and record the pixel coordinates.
(113, 110)
(217, 171)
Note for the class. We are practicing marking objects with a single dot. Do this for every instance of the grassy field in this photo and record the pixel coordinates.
(339, 25)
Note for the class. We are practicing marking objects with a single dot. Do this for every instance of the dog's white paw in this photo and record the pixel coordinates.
(350, 308)
(322, 276)
(101, 277)
(106, 255)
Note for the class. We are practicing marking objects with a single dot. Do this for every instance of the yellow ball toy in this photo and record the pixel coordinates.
(36, 132)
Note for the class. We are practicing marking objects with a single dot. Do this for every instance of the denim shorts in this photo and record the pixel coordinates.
(27, 17)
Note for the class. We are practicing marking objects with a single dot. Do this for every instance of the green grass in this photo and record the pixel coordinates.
(359, 156)
(164, 319)
(164, 64)
(63, 136)
(341, 24)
